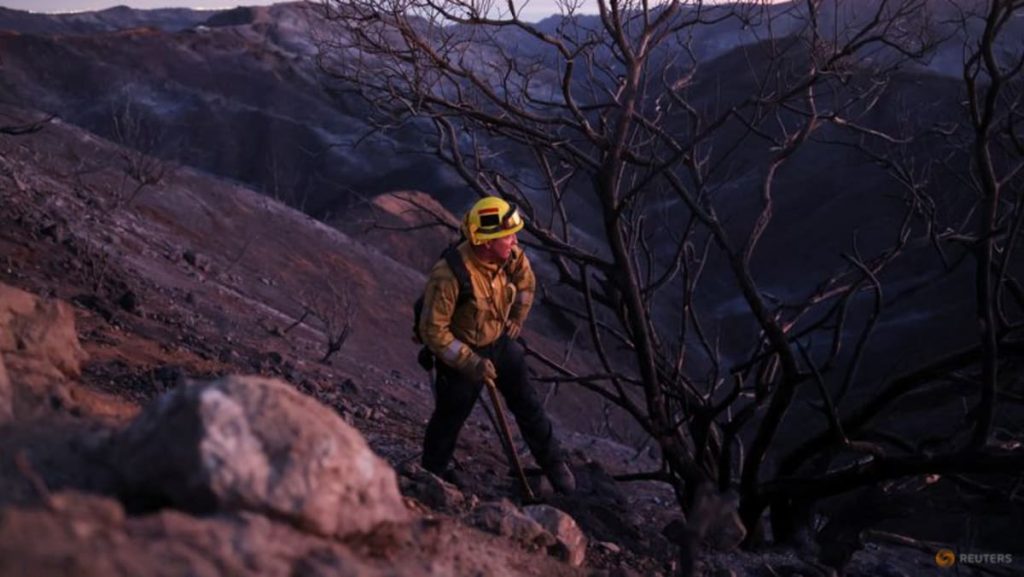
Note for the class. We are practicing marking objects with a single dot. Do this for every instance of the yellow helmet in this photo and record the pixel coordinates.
(490, 218)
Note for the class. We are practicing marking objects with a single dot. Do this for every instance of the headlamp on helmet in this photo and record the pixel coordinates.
(491, 218)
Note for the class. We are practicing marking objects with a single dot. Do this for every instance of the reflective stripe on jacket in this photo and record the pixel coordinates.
(499, 293)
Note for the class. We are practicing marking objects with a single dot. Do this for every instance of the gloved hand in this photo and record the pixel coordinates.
(513, 329)
(482, 370)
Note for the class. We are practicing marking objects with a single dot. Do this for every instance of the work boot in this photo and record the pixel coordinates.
(457, 478)
(561, 478)
(450, 475)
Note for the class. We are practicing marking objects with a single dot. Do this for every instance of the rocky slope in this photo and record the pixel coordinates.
(198, 277)
(113, 436)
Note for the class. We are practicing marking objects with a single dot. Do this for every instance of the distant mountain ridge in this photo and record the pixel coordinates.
(109, 20)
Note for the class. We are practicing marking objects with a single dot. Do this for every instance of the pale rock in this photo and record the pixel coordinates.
(257, 444)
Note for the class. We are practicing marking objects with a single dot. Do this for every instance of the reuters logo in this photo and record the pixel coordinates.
(945, 558)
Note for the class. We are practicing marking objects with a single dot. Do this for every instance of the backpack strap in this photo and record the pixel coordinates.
(458, 266)
(454, 259)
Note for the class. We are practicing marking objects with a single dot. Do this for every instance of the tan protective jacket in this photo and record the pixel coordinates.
(501, 293)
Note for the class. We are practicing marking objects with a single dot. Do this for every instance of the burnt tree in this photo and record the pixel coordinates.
(655, 167)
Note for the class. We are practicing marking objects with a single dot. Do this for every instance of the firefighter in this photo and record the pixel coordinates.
(474, 339)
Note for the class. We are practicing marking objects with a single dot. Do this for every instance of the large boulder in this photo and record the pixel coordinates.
(40, 351)
(250, 443)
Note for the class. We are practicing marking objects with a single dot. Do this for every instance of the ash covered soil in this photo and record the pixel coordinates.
(181, 282)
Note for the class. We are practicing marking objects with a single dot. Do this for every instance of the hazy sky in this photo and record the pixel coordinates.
(535, 10)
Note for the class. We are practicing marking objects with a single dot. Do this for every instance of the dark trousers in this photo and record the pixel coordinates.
(455, 395)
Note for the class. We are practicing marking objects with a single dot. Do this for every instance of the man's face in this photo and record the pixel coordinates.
(501, 248)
